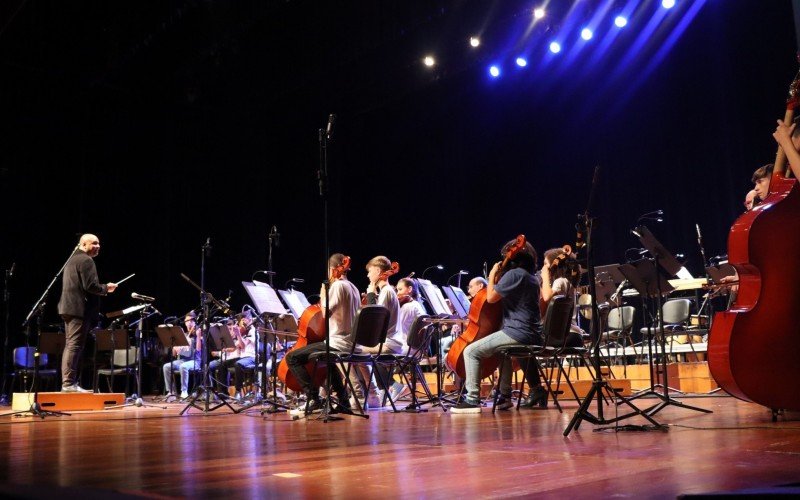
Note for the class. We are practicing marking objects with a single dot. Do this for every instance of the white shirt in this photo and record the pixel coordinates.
(344, 303)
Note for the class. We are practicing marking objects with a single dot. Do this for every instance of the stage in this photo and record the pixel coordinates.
(156, 453)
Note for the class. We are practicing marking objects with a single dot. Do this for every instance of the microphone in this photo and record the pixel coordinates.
(11, 271)
(288, 284)
(143, 298)
(329, 129)
(619, 289)
(636, 233)
(411, 274)
(485, 265)
(207, 247)
(275, 236)
(699, 235)
(463, 272)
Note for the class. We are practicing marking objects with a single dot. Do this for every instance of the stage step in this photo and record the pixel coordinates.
(67, 401)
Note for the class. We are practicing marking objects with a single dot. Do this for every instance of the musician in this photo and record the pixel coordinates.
(476, 284)
(79, 302)
(344, 301)
(410, 309)
(240, 356)
(518, 292)
(555, 280)
(382, 293)
(187, 358)
(761, 180)
(788, 137)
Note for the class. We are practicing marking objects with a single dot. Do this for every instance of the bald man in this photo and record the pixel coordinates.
(79, 302)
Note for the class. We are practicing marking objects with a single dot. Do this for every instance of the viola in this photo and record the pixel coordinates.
(310, 329)
(484, 318)
(753, 347)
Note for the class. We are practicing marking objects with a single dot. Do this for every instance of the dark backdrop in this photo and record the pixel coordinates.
(157, 125)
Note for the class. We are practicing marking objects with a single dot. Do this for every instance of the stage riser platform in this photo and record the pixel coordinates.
(67, 401)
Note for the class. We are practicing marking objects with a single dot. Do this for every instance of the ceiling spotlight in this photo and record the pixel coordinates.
(522, 62)
(555, 47)
(668, 4)
(586, 34)
(621, 21)
(494, 71)
(474, 41)
(429, 61)
(538, 13)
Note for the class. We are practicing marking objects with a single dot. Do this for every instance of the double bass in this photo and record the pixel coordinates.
(754, 347)
(484, 318)
(310, 329)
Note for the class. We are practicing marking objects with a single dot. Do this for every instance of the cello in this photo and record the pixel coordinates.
(310, 329)
(484, 318)
(754, 347)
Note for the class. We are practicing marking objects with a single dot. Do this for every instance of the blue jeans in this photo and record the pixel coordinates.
(480, 349)
(183, 368)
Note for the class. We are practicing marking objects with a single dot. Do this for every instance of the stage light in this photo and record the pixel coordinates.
(538, 13)
(474, 41)
(494, 71)
(429, 61)
(586, 34)
(522, 62)
(621, 21)
(668, 4)
(555, 47)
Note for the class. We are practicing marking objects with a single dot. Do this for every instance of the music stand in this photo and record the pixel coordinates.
(271, 309)
(110, 340)
(649, 282)
(458, 299)
(171, 336)
(443, 315)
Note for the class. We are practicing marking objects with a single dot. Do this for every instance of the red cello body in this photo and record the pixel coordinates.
(310, 329)
(484, 318)
(754, 347)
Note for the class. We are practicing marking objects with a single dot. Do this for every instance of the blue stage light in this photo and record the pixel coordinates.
(621, 21)
(586, 34)
(668, 4)
(522, 62)
(494, 71)
(555, 47)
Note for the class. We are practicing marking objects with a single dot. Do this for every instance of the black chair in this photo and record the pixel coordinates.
(369, 330)
(24, 364)
(408, 364)
(557, 321)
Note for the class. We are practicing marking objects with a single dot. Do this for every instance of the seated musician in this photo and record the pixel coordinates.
(555, 280)
(240, 356)
(343, 304)
(187, 358)
(382, 293)
(761, 180)
(476, 284)
(518, 292)
(410, 309)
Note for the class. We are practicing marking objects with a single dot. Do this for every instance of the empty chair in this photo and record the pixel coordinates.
(24, 366)
(124, 363)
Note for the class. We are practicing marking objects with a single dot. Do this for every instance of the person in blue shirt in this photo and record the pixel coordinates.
(518, 292)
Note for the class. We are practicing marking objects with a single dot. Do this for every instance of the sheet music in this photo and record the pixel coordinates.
(459, 300)
(434, 296)
(295, 300)
(264, 298)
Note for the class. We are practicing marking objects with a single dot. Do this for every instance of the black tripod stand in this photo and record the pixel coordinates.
(4, 393)
(600, 386)
(646, 279)
(201, 397)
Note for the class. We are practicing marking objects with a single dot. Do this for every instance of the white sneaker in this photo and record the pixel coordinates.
(184, 394)
(75, 388)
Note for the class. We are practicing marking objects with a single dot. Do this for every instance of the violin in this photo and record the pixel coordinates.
(311, 329)
(484, 318)
(753, 347)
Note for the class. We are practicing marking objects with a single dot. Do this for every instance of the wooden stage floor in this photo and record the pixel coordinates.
(157, 453)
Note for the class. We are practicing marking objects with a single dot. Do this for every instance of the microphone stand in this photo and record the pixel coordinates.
(4, 394)
(204, 390)
(600, 386)
(36, 312)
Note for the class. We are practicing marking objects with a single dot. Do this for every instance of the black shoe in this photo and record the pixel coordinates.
(537, 399)
(467, 408)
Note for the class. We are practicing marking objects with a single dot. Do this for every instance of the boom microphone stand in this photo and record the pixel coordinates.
(204, 390)
(4, 393)
(600, 386)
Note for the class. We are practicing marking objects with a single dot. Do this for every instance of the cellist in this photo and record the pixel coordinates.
(518, 292)
(789, 140)
(343, 304)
